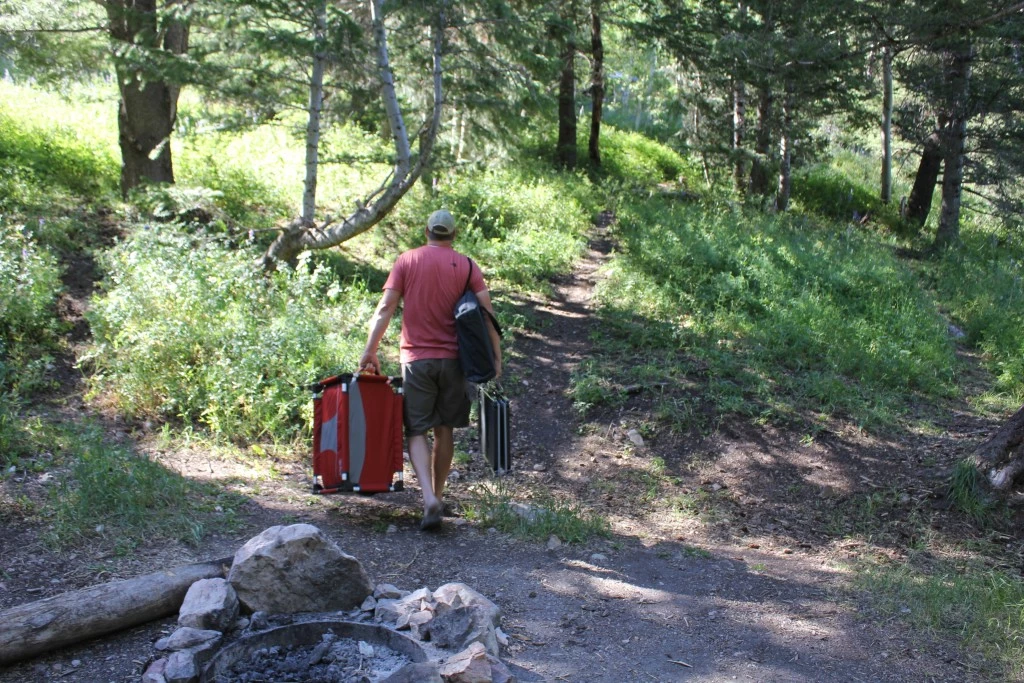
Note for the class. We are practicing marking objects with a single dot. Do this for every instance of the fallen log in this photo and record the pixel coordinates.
(36, 627)
(1001, 458)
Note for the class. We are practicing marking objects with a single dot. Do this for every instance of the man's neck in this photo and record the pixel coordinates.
(446, 244)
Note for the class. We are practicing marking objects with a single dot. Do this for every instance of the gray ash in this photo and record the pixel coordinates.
(332, 660)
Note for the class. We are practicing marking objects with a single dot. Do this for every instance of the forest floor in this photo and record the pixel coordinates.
(751, 580)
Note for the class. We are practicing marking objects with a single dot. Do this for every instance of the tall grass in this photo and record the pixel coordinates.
(778, 313)
(51, 148)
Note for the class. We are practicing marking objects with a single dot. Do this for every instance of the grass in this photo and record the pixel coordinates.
(495, 504)
(778, 316)
(983, 606)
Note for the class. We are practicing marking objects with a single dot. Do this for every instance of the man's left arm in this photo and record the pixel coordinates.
(484, 297)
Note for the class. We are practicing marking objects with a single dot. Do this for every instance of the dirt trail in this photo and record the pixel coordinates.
(656, 602)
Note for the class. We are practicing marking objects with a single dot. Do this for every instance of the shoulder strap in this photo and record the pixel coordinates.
(469, 274)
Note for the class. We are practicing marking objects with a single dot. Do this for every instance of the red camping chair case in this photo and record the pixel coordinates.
(357, 434)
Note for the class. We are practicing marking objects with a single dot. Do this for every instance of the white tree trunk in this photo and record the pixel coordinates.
(887, 56)
(316, 103)
(297, 237)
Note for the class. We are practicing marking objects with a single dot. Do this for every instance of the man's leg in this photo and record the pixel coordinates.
(419, 453)
(444, 450)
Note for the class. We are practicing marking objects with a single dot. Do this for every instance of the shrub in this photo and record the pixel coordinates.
(187, 328)
(982, 287)
(29, 328)
(636, 160)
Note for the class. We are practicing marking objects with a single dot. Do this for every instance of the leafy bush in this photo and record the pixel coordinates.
(187, 328)
(29, 329)
(778, 313)
(636, 160)
(37, 153)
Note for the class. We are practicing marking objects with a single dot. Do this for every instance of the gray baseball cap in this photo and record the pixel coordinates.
(441, 223)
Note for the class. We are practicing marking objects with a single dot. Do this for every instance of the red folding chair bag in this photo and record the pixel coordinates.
(357, 434)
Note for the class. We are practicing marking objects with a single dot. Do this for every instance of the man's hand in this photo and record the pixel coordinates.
(369, 361)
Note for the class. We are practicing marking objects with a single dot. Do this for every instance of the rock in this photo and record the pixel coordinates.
(182, 668)
(456, 629)
(469, 666)
(425, 672)
(289, 569)
(392, 529)
(365, 649)
(530, 513)
(209, 604)
(155, 672)
(258, 621)
(454, 595)
(395, 611)
(386, 591)
(635, 437)
(187, 637)
(369, 604)
(540, 467)
(501, 636)
(598, 557)
(241, 624)
(554, 542)
(499, 672)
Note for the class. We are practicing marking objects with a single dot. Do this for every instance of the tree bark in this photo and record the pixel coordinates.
(316, 103)
(149, 105)
(920, 202)
(786, 149)
(565, 148)
(297, 237)
(61, 620)
(597, 82)
(1001, 458)
(887, 56)
(759, 182)
(957, 77)
(739, 114)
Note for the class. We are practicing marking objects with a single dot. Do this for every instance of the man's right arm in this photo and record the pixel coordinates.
(378, 326)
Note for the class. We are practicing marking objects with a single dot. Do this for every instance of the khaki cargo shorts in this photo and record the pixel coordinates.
(435, 394)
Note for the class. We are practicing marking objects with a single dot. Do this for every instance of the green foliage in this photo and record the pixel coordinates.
(845, 190)
(984, 606)
(42, 151)
(982, 287)
(186, 328)
(29, 329)
(635, 160)
(17, 433)
(114, 493)
(778, 314)
(965, 491)
(522, 224)
(493, 504)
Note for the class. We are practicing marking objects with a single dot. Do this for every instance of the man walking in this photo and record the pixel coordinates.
(429, 281)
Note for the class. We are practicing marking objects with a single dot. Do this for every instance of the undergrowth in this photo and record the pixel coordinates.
(544, 515)
(982, 605)
(777, 316)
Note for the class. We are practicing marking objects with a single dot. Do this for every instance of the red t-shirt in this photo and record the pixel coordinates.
(430, 280)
